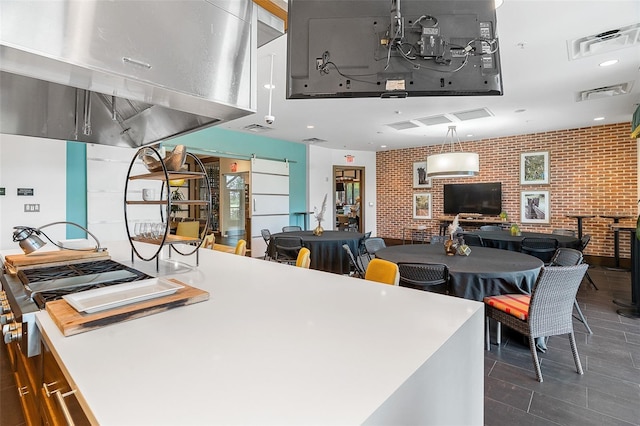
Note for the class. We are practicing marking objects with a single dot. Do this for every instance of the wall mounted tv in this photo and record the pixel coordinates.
(482, 198)
(392, 48)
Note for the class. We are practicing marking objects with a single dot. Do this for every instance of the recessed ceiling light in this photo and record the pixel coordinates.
(518, 111)
(311, 126)
(609, 63)
(598, 119)
(383, 146)
(269, 86)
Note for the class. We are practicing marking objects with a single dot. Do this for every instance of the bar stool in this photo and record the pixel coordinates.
(616, 235)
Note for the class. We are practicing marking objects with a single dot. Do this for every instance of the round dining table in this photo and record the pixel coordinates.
(485, 272)
(505, 241)
(326, 250)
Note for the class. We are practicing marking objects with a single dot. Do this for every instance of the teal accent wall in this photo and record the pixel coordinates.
(245, 144)
(76, 188)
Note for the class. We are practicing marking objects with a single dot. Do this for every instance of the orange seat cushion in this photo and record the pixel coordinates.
(513, 304)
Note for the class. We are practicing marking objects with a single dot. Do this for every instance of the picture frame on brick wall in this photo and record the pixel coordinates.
(422, 205)
(534, 168)
(420, 179)
(534, 207)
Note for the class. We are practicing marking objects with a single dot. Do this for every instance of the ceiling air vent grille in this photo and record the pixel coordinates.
(605, 41)
(313, 140)
(403, 125)
(434, 120)
(604, 92)
(256, 128)
(472, 114)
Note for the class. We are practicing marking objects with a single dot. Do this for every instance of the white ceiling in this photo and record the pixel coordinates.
(540, 85)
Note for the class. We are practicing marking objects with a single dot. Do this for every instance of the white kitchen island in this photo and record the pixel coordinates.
(276, 344)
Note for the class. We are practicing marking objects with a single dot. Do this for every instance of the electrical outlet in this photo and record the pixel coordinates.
(32, 208)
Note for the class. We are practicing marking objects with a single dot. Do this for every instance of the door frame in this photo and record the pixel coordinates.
(360, 175)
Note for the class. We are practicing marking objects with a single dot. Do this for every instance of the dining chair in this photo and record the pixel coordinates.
(437, 239)
(304, 258)
(584, 241)
(355, 268)
(266, 236)
(471, 239)
(292, 228)
(241, 248)
(287, 249)
(541, 247)
(432, 277)
(372, 245)
(565, 256)
(352, 224)
(382, 271)
(188, 229)
(567, 232)
(546, 312)
(209, 241)
(491, 228)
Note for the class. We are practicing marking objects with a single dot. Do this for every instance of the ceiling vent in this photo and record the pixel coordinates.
(313, 140)
(256, 128)
(603, 42)
(403, 125)
(472, 114)
(434, 120)
(605, 92)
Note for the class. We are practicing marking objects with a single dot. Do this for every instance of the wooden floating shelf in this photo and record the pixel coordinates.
(172, 176)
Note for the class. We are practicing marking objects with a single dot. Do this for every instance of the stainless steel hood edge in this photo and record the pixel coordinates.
(92, 76)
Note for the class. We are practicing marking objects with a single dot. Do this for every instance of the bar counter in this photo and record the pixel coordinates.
(276, 344)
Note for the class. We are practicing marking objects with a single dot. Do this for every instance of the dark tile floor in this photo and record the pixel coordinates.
(609, 391)
(607, 394)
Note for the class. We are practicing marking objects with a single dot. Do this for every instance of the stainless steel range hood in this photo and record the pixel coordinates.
(124, 73)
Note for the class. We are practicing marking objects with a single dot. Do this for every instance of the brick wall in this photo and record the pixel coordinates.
(593, 170)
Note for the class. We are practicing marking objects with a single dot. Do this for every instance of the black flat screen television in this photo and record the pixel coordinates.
(481, 198)
(392, 48)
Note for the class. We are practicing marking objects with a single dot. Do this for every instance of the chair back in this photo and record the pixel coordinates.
(352, 224)
(565, 256)
(292, 228)
(362, 250)
(472, 239)
(372, 245)
(356, 269)
(287, 248)
(424, 276)
(266, 235)
(551, 306)
(209, 241)
(567, 232)
(188, 229)
(491, 228)
(437, 239)
(304, 258)
(542, 248)
(382, 271)
(584, 242)
(241, 248)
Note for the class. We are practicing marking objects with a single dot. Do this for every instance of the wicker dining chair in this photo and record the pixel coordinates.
(565, 256)
(266, 236)
(355, 268)
(432, 277)
(567, 232)
(491, 228)
(547, 312)
(471, 239)
(292, 228)
(583, 245)
(541, 247)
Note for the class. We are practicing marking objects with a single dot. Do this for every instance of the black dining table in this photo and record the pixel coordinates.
(505, 241)
(485, 272)
(326, 250)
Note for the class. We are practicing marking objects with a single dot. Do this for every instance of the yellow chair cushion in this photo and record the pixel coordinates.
(241, 248)
(513, 304)
(304, 259)
(382, 271)
(188, 229)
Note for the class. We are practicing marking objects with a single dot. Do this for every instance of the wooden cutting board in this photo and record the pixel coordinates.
(71, 322)
(15, 262)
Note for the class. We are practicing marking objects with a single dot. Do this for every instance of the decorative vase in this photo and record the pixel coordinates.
(515, 230)
(318, 230)
(450, 248)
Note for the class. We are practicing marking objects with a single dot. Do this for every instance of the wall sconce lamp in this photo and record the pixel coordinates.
(29, 241)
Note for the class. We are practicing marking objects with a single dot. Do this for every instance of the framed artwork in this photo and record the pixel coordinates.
(420, 179)
(534, 207)
(422, 205)
(534, 168)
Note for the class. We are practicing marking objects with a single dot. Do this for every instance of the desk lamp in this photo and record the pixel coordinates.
(29, 240)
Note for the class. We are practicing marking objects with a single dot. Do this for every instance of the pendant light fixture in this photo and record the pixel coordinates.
(270, 118)
(452, 164)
